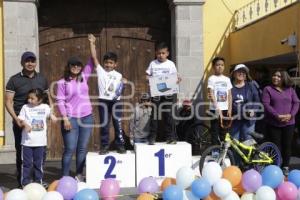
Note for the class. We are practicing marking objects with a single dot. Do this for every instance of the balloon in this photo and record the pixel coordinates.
(173, 192)
(53, 186)
(212, 196)
(201, 188)
(184, 177)
(265, 193)
(145, 196)
(294, 177)
(67, 187)
(109, 188)
(82, 186)
(53, 195)
(34, 191)
(232, 196)
(272, 176)
(149, 185)
(1, 194)
(86, 194)
(233, 174)
(188, 195)
(167, 182)
(212, 171)
(16, 194)
(287, 191)
(239, 189)
(222, 188)
(251, 180)
(248, 196)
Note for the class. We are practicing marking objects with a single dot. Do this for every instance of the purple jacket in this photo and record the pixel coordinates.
(279, 103)
(73, 96)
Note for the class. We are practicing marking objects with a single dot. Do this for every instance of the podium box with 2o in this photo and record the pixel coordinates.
(161, 160)
(112, 165)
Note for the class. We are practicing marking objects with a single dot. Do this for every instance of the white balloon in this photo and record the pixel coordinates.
(265, 193)
(222, 188)
(188, 195)
(232, 196)
(16, 194)
(248, 196)
(184, 177)
(34, 191)
(212, 171)
(81, 186)
(53, 195)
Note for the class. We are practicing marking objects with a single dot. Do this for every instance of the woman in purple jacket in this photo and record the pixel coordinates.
(75, 107)
(281, 105)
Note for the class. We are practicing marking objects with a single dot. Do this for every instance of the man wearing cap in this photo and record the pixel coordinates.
(17, 89)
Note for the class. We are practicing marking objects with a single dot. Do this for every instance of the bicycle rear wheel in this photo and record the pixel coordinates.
(272, 150)
(213, 154)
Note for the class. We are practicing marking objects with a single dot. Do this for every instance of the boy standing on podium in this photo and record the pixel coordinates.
(162, 66)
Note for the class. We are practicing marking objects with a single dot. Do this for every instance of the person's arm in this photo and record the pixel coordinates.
(23, 123)
(266, 100)
(61, 103)
(92, 40)
(9, 104)
(295, 106)
(229, 112)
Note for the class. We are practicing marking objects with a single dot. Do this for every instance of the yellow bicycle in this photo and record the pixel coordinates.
(251, 154)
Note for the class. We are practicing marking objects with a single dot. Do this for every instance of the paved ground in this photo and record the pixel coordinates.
(52, 172)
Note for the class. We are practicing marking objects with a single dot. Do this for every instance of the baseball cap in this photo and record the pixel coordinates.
(26, 55)
(241, 66)
(74, 61)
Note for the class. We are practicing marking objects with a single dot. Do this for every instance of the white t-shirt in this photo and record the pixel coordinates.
(36, 117)
(108, 83)
(221, 86)
(157, 68)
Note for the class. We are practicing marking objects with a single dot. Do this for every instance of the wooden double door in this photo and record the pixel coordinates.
(129, 28)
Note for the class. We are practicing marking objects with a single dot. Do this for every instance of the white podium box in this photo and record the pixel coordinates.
(161, 160)
(111, 165)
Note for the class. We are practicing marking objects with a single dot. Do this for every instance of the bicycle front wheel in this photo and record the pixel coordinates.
(214, 154)
(272, 151)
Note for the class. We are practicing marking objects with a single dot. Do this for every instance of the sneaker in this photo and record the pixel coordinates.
(104, 150)
(121, 149)
(79, 178)
(151, 142)
(285, 171)
(215, 154)
(171, 141)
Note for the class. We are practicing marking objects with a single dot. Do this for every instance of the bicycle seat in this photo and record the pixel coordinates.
(257, 135)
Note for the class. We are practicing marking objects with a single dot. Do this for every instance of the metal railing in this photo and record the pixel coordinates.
(258, 9)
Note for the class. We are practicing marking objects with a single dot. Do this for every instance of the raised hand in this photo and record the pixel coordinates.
(91, 38)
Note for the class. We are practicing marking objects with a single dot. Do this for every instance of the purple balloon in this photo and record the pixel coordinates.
(1, 194)
(67, 187)
(109, 188)
(287, 191)
(149, 185)
(251, 180)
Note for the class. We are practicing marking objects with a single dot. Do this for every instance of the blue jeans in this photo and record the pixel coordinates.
(76, 139)
(110, 109)
(241, 130)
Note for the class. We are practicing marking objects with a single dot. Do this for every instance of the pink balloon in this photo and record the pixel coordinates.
(109, 188)
(287, 191)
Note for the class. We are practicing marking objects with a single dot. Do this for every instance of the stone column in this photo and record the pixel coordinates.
(20, 34)
(187, 45)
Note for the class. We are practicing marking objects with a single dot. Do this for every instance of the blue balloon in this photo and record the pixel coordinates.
(294, 177)
(86, 194)
(173, 192)
(201, 188)
(272, 176)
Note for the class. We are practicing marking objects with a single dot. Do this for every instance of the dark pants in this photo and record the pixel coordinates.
(32, 156)
(18, 138)
(217, 132)
(282, 137)
(162, 107)
(107, 110)
(76, 139)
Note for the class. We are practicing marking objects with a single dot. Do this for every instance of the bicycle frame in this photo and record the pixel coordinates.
(237, 146)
